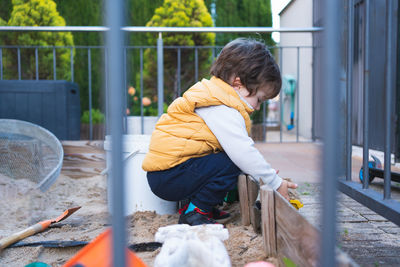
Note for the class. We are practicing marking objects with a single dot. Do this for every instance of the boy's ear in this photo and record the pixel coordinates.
(236, 83)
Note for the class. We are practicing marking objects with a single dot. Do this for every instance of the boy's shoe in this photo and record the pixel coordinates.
(196, 217)
(218, 215)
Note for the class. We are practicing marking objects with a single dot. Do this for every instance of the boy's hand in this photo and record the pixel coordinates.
(283, 189)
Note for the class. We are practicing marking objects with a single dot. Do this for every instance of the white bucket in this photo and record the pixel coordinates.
(138, 195)
(134, 124)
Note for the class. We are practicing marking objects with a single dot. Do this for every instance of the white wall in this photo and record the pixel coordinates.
(298, 14)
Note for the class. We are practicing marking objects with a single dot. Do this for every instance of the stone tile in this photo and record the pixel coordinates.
(375, 217)
(348, 215)
(390, 230)
(363, 210)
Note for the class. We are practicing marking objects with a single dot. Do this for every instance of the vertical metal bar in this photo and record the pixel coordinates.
(90, 94)
(280, 97)
(264, 128)
(179, 71)
(213, 53)
(19, 63)
(330, 104)
(297, 94)
(37, 63)
(141, 92)
(196, 64)
(366, 98)
(160, 72)
(108, 130)
(125, 95)
(388, 100)
(115, 44)
(54, 64)
(349, 96)
(72, 64)
(1, 63)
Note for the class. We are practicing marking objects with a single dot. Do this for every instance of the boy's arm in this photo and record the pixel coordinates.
(229, 128)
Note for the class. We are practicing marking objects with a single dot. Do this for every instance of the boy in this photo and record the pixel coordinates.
(202, 144)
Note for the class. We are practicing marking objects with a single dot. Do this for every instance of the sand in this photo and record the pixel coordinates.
(21, 205)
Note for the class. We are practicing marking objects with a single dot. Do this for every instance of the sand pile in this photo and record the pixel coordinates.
(21, 205)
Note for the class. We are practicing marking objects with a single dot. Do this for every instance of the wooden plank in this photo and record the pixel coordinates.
(268, 220)
(255, 215)
(83, 158)
(296, 238)
(243, 199)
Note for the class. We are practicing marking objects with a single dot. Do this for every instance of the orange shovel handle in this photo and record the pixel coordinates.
(31, 230)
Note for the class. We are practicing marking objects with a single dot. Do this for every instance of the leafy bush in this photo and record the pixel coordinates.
(37, 13)
(97, 116)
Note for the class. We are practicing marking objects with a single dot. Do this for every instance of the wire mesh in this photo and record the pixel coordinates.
(28, 151)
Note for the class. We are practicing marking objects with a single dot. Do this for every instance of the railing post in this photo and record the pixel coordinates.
(19, 63)
(1, 63)
(280, 98)
(36, 63)
(388, 100)
(115, 68)
(349, 121)
(54, 64)
(160, 74)
(141, 92)
(297, 94)
(179, 72)
(90, 94)
(196, 65)
(366, 99)
(72, 64)
(330, 104)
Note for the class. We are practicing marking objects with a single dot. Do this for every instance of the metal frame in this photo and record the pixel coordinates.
(378, 202)
(160, 50)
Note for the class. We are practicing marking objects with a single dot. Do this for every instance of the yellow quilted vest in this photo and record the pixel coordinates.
(181, 134)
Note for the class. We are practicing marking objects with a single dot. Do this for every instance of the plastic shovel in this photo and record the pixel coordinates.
(36, 228)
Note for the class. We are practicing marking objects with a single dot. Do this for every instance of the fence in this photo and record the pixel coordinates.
(360, 12)
(387, 207)
(285, 124)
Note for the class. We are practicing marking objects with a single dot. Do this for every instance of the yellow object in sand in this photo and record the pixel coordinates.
(296, 203)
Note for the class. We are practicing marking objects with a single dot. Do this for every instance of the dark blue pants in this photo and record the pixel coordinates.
(205, 180)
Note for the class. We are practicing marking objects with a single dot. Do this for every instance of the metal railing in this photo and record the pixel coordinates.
(330, 107)
(280, 51)
(382, 204)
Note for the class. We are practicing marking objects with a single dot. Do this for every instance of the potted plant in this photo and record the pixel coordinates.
(150, 112)
(98, 125)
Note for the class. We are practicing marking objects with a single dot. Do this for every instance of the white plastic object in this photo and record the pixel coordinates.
(138, 195)
(192, 246)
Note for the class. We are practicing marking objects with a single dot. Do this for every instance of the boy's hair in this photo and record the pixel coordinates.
(251, 61)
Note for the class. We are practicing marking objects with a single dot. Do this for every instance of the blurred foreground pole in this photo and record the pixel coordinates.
(330, 104)
(115, 72)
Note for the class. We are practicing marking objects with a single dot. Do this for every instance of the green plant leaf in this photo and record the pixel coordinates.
(288, 262)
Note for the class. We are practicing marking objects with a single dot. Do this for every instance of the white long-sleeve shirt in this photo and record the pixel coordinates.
(229, 127)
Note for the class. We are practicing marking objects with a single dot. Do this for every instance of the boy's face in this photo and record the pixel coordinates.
(256, 99)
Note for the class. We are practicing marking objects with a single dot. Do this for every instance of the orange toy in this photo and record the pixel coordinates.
(98, 254)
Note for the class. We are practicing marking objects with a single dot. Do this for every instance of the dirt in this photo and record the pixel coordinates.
(21, 206)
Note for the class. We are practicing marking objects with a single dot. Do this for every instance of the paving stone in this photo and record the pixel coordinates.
(375, 218)
(383, 224)
(363, 210)
(390, 230)
(358, 228)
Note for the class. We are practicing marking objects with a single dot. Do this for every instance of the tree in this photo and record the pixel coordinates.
(178, 13)
(86, 13)
(242, 13)
(37, 13)
(5, 10)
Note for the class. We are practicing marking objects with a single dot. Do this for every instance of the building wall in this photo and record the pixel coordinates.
(298, 14)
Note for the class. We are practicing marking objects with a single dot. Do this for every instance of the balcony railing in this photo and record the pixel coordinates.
(283, 126)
